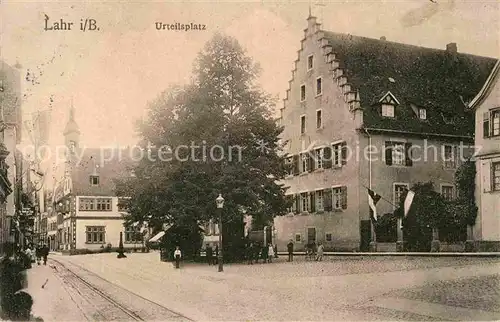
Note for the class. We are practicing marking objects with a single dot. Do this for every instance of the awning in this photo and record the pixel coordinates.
(157, 236)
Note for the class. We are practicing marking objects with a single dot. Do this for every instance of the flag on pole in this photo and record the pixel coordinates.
(373, 198)
(408, 201)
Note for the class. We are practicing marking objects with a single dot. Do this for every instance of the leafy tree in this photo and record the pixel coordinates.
(386, 228)
(463, 210)
(428, 210)
(221, 138)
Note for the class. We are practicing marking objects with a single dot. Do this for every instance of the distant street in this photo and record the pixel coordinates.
(141, 287)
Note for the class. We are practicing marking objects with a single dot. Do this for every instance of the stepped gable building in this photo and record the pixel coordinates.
(349, 93)
(486, 232)
(84, 199)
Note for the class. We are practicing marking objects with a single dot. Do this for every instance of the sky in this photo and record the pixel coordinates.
(111, 74)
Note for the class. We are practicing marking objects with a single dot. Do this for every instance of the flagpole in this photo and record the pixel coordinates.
(373, 241)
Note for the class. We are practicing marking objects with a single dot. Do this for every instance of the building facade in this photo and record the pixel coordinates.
(368, 113)
(10, 136)
(486, 105)
(86, 213)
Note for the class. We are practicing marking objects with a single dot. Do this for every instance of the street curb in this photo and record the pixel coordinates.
(409, 254)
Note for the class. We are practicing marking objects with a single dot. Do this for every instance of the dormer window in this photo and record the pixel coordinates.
(310, 62)
(388, 110)
(388, 102)
(72, 146)
(422, 113)
(94, 180)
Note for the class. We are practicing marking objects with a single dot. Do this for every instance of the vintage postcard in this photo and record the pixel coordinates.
(250, 160)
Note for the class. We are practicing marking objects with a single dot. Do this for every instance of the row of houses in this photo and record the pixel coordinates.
(17, 201)
(370, 113)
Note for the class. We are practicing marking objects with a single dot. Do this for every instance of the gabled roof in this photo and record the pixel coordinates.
(108, 164)
(430, 78)
(488, 85)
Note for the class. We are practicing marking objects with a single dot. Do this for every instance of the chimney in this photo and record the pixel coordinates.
(451, 47)
(383, 38)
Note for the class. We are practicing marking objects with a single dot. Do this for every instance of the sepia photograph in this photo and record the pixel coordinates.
(273, 160)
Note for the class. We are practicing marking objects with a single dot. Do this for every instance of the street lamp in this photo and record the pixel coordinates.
(220, 204)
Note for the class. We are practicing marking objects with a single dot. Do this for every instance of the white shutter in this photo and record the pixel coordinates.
(486, 175)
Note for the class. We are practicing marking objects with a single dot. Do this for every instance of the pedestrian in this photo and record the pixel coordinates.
(270, 253)
(319, 254)
(216, 255)
(38, 254)
(289, 247)
(265, 253)
(209, 253)
(45, 254)
(177, 256)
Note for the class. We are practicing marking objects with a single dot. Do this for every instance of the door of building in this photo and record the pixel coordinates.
(311, 235)
(366, 235)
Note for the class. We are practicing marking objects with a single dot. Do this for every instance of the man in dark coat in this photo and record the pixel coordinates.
(209, 253)
(45, 254)
(289, 247)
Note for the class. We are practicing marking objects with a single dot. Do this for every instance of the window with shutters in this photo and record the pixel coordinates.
(491, 123)
(305, 162)
(302, 93)
(339, 198)
(327, 199)
(304, 202)
(447, 192)
(449, 157)
(319, 121)
(339, 154)
(495, 120)
(398, 193)
(302, 124)
(319, 201)
(319, 156)
(495, 171)
(398, 153)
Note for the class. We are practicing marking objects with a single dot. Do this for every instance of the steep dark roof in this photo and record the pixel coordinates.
(438, 80)
(111, 165)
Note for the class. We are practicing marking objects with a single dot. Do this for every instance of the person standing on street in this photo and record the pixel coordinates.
(209, 253)
(270, 253)
(319, 254)
(177, 256)
(289, 247)
(215, 257)
(45, 254)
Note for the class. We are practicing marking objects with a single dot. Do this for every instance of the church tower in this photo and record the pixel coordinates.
(71, 131)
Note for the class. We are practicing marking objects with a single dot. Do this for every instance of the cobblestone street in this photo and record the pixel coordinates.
(340, 288)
